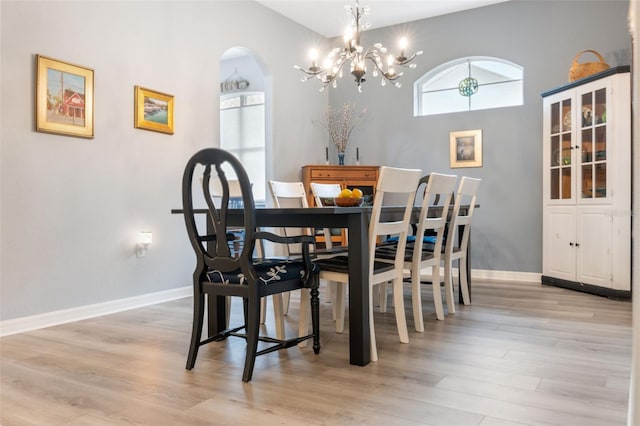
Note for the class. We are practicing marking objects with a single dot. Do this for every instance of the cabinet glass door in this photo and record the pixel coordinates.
(561, 150)
(593, 136)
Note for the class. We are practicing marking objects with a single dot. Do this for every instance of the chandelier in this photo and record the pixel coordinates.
(353, 53)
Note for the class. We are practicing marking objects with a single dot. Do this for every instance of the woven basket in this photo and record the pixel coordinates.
(578, 71)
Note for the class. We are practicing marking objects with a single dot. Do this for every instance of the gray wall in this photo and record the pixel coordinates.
(71, 208)
(541, 36)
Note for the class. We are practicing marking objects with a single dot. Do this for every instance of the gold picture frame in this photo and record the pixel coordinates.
(64, 98)
(153, 110)
(465, 148)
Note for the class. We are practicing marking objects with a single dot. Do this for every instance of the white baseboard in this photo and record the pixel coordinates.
(49, 319)
(485, 274)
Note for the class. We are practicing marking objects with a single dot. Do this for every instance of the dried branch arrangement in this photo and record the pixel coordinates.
(340, 123)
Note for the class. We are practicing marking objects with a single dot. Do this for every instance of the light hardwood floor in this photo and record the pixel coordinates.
(522, 354)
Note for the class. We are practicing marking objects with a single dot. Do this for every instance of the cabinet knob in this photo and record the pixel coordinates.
(571, 244)
(577, 244)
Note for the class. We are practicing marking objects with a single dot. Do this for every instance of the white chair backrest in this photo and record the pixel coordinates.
(466, 196)
(401, 184)
(288, 194)
(438, 192)
(322, 191)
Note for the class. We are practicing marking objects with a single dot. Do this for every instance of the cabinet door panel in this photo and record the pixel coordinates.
(559, 243)
(558, 151)
(593, 179)
(594, 254)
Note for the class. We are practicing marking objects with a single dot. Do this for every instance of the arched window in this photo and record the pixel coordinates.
(243, 114)
(468, 84)
(242, 133)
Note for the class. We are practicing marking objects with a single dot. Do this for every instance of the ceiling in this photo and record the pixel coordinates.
(329, 18)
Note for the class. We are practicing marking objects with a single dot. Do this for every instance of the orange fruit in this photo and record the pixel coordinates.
(356, 193)
(345, 193)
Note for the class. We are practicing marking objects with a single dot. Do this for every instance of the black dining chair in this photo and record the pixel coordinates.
(218, 273)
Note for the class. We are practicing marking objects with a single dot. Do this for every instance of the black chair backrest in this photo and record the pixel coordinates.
(210, 164)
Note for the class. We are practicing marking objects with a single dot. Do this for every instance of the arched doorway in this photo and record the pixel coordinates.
(244, 125)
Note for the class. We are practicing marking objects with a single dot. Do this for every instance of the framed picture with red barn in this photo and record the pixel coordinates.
(64, 98)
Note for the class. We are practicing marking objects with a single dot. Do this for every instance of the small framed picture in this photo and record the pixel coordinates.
(64, 98)
(465, 148)
(153, 110)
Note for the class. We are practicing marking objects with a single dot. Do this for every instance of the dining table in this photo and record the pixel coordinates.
(356, 221)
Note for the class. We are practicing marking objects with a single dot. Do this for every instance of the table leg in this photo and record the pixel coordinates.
(359, 338)
(467, 260)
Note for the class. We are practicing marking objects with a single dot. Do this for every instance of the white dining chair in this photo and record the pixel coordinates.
(293, 194)
(457, 244)
(289, 194)
(437, 191)
(400, 185)
(322, 192)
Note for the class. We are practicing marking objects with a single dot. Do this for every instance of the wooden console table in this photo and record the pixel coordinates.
(363, 177)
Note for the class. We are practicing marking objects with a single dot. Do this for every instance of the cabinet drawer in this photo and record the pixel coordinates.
(344, 174)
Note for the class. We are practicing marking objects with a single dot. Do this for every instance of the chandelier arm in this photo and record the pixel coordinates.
(330, 78)
(407, 60)
(309, 73)
(383, 73)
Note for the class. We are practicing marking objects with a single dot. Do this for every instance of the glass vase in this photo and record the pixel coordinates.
(341, 158)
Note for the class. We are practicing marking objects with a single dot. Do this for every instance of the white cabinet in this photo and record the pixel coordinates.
(586, 161)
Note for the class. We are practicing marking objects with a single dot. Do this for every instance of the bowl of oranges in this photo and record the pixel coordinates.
(348, 198)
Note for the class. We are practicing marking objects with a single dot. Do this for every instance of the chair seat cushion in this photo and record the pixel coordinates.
(411, 238)
(394, 239)
(431, 247)
(341, 264)
(268, 270)
(389, 252)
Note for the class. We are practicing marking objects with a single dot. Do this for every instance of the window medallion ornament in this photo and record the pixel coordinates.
(468, 86)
